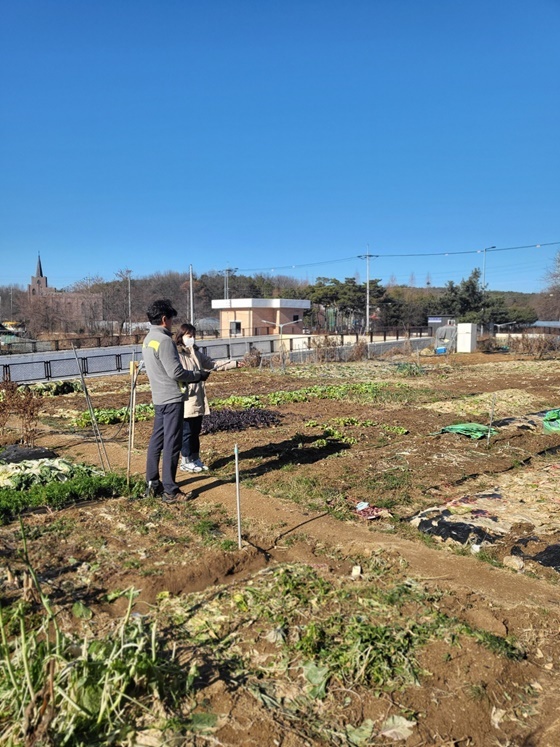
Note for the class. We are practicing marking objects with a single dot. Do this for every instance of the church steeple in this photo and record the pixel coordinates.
(39, 285)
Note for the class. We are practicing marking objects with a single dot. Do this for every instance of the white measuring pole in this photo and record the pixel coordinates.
(491, 420)
(236, 452)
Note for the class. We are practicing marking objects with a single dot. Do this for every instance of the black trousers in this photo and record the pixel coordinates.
(166, 436)
(191, 438)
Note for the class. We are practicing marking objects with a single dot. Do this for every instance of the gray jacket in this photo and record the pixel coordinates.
(168, 378)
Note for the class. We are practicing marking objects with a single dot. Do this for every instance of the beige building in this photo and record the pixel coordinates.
(260, 316)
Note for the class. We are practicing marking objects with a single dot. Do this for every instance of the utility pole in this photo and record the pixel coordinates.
(486, 249)
(129, 273)
(227, 273)
(125, 275)
(191, 293)
(367, 257)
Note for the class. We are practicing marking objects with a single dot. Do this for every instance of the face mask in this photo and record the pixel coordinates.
(188, 342)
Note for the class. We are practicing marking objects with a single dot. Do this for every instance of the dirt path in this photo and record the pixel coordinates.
(502, 587)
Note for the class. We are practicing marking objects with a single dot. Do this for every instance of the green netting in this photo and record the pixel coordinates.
(473, 430)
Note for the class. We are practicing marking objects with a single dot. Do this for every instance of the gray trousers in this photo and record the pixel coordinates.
(166, 436)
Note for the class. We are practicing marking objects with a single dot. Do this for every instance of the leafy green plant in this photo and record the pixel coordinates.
(396, 429)
(331, 429)
(365, 391)
(343, 422)
(83, 692)
(237, 402)
(333, 433)
(25, 474)
(53, 388)
(57, 495)
(320, 443)
(410, 369)
(110, 415)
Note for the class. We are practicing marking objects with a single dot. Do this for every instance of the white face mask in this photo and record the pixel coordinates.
(188, 342)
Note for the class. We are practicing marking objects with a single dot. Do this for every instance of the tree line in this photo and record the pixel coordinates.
(342, 303)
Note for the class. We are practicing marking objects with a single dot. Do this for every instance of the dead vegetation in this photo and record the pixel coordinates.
(22, 403)
(536, 346)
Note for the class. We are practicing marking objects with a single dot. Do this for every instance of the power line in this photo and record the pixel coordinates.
(355, 257)
(410, 254)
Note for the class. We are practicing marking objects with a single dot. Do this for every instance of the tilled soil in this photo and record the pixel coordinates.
(300, 485)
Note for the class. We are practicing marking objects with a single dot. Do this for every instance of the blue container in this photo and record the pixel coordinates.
(441, 351)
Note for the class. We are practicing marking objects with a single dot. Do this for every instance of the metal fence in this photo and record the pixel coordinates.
(31, 371)
(32, 368)
(22, 346)
(348, 352)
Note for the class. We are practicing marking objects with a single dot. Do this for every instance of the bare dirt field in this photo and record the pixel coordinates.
(430, 616)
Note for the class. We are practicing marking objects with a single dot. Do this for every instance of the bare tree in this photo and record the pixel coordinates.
(89, 283)
(12, 302)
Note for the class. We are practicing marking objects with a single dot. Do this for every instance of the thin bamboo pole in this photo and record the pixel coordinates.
(103, 457)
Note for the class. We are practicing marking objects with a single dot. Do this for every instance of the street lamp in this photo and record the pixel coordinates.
(281, 326)
(504, 324)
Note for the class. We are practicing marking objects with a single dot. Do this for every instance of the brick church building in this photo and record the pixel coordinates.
(61, 311)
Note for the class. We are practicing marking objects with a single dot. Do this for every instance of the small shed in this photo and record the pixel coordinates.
(440, 320)
(260, 316)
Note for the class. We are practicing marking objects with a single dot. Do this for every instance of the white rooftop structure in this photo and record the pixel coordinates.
(261, 303)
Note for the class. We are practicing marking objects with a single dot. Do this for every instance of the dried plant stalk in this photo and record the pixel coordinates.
(28, 405)
(8, 396)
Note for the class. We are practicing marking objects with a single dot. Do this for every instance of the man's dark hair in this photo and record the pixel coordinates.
(160, 308)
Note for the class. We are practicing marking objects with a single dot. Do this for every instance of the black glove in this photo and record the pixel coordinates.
(204, 375)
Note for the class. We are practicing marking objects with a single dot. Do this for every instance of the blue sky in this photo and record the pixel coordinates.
(280, 136)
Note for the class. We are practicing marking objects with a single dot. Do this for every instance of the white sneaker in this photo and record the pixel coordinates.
(200, 463)
(189, 466)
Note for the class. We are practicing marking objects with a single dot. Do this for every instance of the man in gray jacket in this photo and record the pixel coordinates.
(168, 380)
